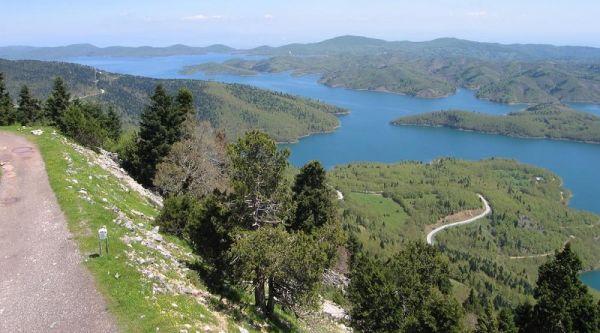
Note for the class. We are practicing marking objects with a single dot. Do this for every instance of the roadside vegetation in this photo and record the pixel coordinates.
(552, 121)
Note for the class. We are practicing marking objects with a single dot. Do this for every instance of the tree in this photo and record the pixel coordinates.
(210, 231)
(7, 110)
(409, 292)
(256, 174)
(312, 198)
(284, 266)
(176, 213)
(29, 110)
(57, 103)
(86, 123)
(160, 128)
(506, 321)
(113, 124)
(196, 165)
(563, 302)
(184, 103)
(486, 322)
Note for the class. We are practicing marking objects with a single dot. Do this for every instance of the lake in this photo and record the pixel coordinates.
(366, 134)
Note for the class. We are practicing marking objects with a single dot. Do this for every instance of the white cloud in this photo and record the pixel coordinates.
(201, 17)
(478, 13)
(268, 17)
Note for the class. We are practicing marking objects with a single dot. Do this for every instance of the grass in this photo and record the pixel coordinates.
(129, 294)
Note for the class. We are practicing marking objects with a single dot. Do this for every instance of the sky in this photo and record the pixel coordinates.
(249, 23)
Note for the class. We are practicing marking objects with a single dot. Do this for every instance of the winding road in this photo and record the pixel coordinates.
(43, 285)
(486, 212)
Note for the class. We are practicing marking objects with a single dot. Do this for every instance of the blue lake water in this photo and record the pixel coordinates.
(366, 134)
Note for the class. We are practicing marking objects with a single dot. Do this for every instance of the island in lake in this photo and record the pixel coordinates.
(547, 120)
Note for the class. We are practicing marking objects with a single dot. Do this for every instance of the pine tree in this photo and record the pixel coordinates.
(29, 110)
(113, 124)
(157, 133)
(7, 110)
(486, 322)
(410, 292)
(506, 321)
(563, 302)
(57, 103)
(313, 199)
(184, 103)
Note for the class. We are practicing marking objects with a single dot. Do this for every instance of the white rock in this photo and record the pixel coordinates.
(243, 330)
(37, 132)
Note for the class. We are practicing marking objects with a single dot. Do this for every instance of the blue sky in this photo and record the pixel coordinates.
(246, 23)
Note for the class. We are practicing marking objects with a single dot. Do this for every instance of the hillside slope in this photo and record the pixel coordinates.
(501, 73)
(147, 278)
(233, 108)
(388, 205)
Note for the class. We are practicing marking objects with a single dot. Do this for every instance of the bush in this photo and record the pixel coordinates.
(176, 213)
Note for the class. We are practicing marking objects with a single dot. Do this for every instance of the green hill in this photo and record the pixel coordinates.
(388, 205)
(553, 121)
(502, 73)
(233, 108)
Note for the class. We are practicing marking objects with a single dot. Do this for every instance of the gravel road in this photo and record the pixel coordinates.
(43, 285)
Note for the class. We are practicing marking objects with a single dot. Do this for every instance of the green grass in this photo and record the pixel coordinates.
(128, 293)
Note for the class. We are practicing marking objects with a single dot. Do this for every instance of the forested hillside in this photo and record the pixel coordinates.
(386, 206)
(232, 108)
(553, 121)
(502, 73)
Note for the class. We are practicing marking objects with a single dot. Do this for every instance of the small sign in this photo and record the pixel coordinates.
(103, 233)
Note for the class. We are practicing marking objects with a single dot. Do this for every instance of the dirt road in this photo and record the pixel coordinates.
(487, 210)
(43, 286)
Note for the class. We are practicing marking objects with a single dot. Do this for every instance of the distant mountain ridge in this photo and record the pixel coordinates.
(342, 44)
(89, 50)
(440, 47)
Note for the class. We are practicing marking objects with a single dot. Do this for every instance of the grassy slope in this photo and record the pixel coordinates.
(541, 121)
(129, 293)
(232, 108)
(529, 217)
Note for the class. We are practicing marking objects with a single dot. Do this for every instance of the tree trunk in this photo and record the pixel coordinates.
(271, 302)
(259, 292)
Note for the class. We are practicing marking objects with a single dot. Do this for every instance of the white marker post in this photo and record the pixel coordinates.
(103, 236)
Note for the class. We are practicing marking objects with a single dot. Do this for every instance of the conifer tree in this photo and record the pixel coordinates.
(113, 124)
(29, 109)
(410, 292)
(57, 103)
(563, 302)
(156, 135)
(313, 199)
(7, 110)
